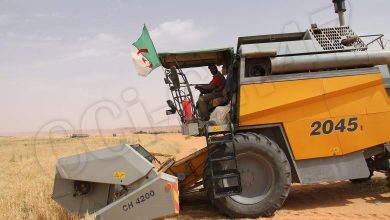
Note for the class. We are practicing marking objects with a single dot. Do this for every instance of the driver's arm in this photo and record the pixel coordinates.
(205, 88)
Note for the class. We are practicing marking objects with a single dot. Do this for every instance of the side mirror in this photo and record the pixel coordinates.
(172, 106)
(174, 77)
(170, 112)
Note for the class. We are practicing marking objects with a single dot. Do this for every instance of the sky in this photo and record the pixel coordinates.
(66, 64)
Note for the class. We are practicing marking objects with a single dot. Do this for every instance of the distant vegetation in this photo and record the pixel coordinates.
(154, 132)
(79, 135)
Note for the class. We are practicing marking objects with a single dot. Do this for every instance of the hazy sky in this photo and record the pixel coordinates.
(66, 63)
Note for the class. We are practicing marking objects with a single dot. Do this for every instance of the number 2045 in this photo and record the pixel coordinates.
(329, 126)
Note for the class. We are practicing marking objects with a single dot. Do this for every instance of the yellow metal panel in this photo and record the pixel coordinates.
(379, 101)
(315, 109)
(342, 85)
(352, 103)
(305, 146)
(360, 98)
(258, 101)
(373, 130)
(362, 101)
(377, 128)
(358, 139)
(286, 102)
(298, 104)
(350, 95)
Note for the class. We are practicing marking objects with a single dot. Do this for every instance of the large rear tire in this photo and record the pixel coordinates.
(265, 178)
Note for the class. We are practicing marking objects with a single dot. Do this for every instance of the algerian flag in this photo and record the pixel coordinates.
(144, 54)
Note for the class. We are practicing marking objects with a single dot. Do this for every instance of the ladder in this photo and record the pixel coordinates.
(224, 175)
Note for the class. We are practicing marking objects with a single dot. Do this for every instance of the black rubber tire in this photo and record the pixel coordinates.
(207, 183)
(361, 180)
(277, 193)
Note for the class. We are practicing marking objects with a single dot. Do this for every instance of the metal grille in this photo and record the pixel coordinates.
(330, 38)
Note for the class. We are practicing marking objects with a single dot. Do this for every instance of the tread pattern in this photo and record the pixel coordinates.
(272, 150)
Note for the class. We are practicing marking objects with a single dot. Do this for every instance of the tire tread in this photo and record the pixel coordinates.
(277, 203)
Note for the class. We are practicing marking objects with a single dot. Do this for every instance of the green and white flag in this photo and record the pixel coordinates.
(144, 55)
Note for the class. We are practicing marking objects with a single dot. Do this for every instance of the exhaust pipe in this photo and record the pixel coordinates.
(340, 9)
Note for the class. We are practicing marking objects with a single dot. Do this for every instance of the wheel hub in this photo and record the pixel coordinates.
(247, 177)
(257, 178)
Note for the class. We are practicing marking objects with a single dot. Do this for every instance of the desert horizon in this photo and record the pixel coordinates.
(94, 132)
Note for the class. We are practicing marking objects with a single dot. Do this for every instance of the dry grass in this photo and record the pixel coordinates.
(27, 168)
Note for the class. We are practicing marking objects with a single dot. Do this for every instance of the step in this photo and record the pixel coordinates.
(227, 191)
(224, 174)
(220, 139)
(227, 156)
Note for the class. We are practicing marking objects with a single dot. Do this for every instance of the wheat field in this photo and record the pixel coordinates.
(27, 169)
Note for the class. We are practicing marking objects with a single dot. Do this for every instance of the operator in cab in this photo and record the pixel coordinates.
(229, 88)
(209, 92)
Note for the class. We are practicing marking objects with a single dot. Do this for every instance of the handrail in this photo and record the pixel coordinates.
(379, 39)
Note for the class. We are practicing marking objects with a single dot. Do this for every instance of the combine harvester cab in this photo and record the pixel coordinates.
(115, 183)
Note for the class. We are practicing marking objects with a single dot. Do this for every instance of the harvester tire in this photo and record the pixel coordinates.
(362, 180)
(207, 183)
(265, 178)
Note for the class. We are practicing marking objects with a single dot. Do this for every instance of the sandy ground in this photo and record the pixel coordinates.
(341, 200)
(27, 167)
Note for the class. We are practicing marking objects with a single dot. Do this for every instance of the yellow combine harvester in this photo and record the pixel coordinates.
(311, 107)
(308, 107)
